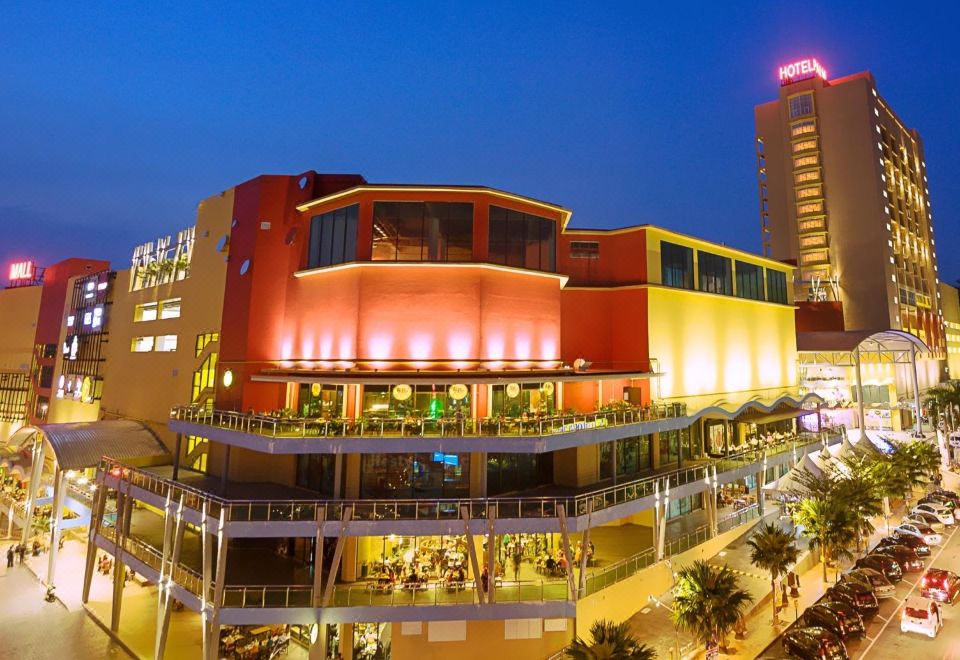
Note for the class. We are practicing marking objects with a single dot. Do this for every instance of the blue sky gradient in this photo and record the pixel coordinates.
(118, 119)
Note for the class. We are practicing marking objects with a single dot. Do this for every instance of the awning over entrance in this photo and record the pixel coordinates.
(82, 445)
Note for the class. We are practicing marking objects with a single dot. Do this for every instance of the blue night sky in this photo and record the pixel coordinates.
(117, 119)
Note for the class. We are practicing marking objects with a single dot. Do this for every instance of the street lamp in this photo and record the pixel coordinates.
(656, 602)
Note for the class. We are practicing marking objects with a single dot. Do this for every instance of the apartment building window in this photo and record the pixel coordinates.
(422, 231)
(145, 312)
(804, 127)
(676, 265)
(804, 145)
(522, 240)
(170, 309)
(749, 281)
(714, 273)
(141, 345)
(801, 105)
(809, 207)
(812, 224)
(809, 160)
(165, 344)
(584, 250)
(46, 377)
(777, 286)
(815, 241)
(806, 177)
(333, 237)
(810, 191)
(813, 257)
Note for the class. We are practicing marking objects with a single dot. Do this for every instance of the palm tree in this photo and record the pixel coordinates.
(943, 399)
(858, 487)
(609, 640)
(828, 525)
(773, 549)
(708, 601)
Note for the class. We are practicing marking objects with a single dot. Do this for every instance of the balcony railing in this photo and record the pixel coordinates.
(290, 510)
(146, 553)
(405, 427)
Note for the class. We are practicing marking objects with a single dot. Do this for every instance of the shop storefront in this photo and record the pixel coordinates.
(418, 401)
(518, 399)
(427, 475)
(371, 641)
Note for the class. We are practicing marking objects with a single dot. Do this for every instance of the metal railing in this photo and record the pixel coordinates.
(406, 427)
(440, 509)
(152, 557)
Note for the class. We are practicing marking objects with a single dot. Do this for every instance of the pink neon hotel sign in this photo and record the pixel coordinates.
(801, 70)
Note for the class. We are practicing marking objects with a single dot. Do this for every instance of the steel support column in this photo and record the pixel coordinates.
(491, 554)
(916, 387)
(859, 383)
(337, 555)
(36, 475)
(565, 540)
(56, 519)
(96, 517)
(472, 553)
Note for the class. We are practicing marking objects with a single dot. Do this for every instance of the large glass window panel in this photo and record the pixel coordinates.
(714, 273)
(333, 237)
(521, 240)
(749, 280)
(777, 286)
(676, 265)
(422, 231)
(316, 472)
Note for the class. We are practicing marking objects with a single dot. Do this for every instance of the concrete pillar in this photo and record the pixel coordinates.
(96, 518)
(56, 519)
(176, 456)
(916, 386)
(655, 451)
(36, 475)
(859, 384)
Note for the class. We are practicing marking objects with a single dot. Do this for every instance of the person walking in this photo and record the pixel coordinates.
(10, 557)
(22, 552)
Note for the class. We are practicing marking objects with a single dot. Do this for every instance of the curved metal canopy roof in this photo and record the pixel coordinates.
(82, 444)
(848, 341)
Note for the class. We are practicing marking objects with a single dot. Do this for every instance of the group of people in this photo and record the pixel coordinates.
(555, 564)
(20, 551)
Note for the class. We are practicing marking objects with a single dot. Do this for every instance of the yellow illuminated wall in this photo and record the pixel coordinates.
(18, 326)
(950, 305)
(721, 349)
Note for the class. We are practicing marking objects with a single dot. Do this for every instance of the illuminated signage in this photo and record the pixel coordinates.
(801, 70)
(22, 270)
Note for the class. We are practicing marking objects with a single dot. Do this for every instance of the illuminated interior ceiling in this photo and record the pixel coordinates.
(837, 349)
(437, 377)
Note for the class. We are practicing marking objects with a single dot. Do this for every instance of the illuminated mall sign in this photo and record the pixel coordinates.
(801, 70)
(24, 273)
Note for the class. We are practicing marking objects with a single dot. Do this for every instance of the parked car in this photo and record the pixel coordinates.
(933, 498)
(887, 566)
(907, 558)
(856, 595)
(922, 616)
(836, 616)
(943, 514)
(921, 518)
(925, 532)
(882, 587)
(949, 494)
(940, 584)
(915, 543)
(813, 644)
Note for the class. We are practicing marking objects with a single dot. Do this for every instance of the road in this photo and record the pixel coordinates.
(884, 639)
(33, 628)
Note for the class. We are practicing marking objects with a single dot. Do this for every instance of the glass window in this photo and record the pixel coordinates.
(749, 280)
(318, 400)
(676, 265)
(333, 237)
(804, 145)
(141, 344)
(633, 455)
(806, 161)
(170, 309)
(165, 343)
(316, 472)
(804, 177)
(521, 240)
(426, 475)
(669, 447)
(425, 401)
(516, 400)
(803, 127)
(512, 472)
(714, 272)
(145, 312)
(801, 105)
(776, 286)
(422, 231)
(809, 207)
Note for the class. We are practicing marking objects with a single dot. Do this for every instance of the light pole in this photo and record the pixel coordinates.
(676, 631)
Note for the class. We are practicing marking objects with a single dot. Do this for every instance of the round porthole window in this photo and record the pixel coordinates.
(245, 266)
(222, 243)
(234, 223)
(291, 236)
(304, 180)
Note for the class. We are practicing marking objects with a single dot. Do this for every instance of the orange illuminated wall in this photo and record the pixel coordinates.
(621, 260)
(423, 312)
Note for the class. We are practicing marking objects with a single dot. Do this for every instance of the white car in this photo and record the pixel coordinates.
(925, 519)
(924, 532)
(921, 615)
(943, 514)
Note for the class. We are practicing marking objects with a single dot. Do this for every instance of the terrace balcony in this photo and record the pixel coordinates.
(273, 510)
(276, 434)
